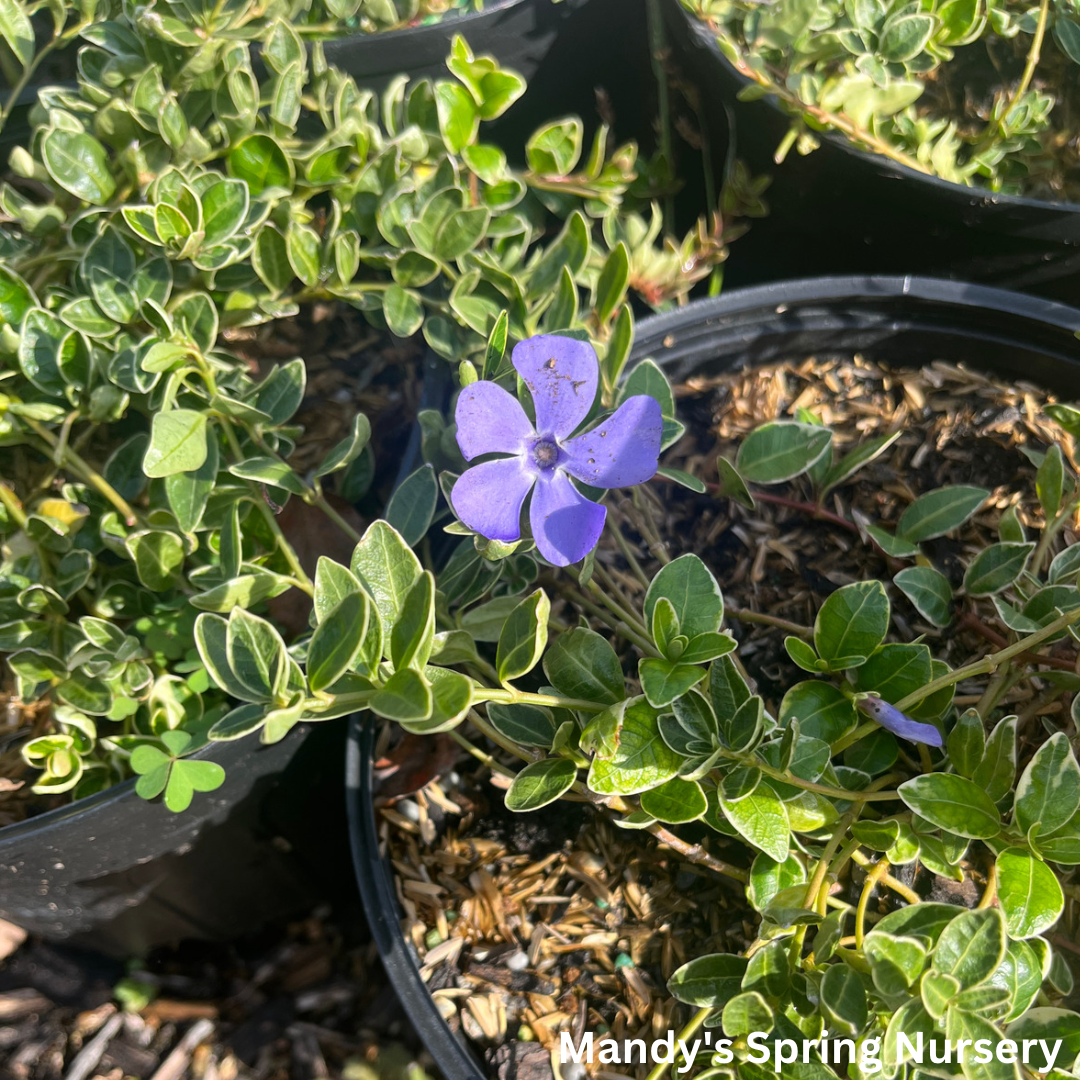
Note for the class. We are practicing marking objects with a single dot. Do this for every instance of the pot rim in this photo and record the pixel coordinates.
(655, 333)
(702, 33)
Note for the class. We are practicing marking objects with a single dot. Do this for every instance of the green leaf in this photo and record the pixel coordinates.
(16, 297)
(612, 283)
(261, 163)
(746, 1014)
(769, 877)
(79, 164)
(302, 244)
(781, 450)
(929, 591)
(952, 803)
(996, 567)
(895, 961)
(461, 232)
(413, 634)
(158, 557)
(905, 37)
(211, 639)
(802, 654)
(852, 623)
(641, 760)
(405, 696)
(333, 583)
(459, 118)
(16, 30)
(403, 310)
(822, 710)
(39, 348)
(967, 743)
(708, 980)
(269, 470)
(349, 448)
(177, 443)
(675, 802)
(555, 148)
(412, 506)
(187, 777)
(526, 725)
(270, 259)
(997, 770)
(1048, 792)
(895, 671)
(971, 946)
(336, 643)
(523, 637)
(662, 681)
(257, 655)
(690, 586)
(1020, 974)
(241, 721)
(189, 492)
(387, 567)
(938, 512)
(762, 820)
(1050, 482)
(582, 664)
(843, 999)
(962, 1024)
(1028, 892)
(224, 207)
(850, 463)
(540, 783)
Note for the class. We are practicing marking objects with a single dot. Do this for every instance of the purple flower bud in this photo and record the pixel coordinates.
(892, 719)
(562, 375)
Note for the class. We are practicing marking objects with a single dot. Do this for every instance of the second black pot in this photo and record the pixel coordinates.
(899, 321)
(845, 210)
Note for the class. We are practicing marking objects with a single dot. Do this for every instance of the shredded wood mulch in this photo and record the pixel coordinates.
(531, 924)
(306, 1002)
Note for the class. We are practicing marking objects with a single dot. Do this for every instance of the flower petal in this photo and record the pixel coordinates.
(623, 450)
(489, 421)
(892, 719)
(565, 525)
(561, 374)
(488, 497)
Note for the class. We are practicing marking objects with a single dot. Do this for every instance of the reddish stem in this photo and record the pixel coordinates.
(972, 622)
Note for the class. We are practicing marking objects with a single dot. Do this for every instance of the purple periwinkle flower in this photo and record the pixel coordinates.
(562, 375)
(892, 719)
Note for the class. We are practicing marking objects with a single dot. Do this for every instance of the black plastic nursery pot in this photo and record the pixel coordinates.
(518, 33)
(896, 320)
(120, 875)
(844, 210)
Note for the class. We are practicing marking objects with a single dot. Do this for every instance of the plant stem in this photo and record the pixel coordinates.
(695, 853)
(747, 616)
(28, 71)
(321, 502)
(659, 1071)
(1032, 59)
(89, 474)
(1049, 531)
(512, 697)
(879, 871)
(990, 892)
(631, 617)
(813, 509)
(973, 622)
(991, 662)
(13, 506)
(888, 880)
(605, 616)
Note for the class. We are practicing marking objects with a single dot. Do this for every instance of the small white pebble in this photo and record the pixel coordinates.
(453, 779)
(517, 961)
(407, 808)
(344, 395)
(572, 1070)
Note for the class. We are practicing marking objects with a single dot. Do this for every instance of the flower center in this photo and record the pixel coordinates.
(545, 453)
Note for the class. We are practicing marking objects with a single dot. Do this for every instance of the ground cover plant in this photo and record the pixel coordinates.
(175, 199)
(975, 93)
(868, 760)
